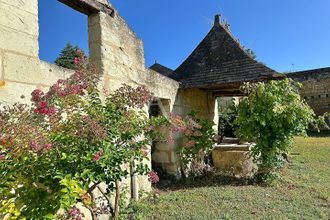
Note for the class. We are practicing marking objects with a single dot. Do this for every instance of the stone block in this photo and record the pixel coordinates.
(233, 162)
(20, 20)
(172, 169)
(1, 68)
(163, 146)
(20, 68)
(174, 157)
(160, 157)
(29, 6)
(51, 73)
(13, 92)
(13, 40)
(144, 184)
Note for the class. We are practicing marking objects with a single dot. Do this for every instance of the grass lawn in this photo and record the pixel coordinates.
(302, 193)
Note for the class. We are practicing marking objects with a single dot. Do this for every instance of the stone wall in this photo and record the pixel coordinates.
(187, 100)
(21, 71)
(119, 53)
(316, 88)
(114, 47)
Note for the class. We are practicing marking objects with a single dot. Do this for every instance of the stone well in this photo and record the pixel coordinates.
(233, 159)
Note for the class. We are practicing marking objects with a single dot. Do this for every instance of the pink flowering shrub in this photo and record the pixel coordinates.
(199, 138)
(153, 177)
(56, 152)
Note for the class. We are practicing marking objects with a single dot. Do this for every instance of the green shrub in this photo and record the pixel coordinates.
(271, 115)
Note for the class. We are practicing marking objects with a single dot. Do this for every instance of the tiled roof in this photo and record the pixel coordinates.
(219, 59)
(161, 69)
(321, 73)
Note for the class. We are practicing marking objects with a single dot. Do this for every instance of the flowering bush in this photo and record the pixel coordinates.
(153, 177)
(57, 152)
(199, 137)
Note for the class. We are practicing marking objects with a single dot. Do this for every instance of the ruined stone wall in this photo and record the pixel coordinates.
(316, 88)
(119, 53)
(114, 47)
(21, 71)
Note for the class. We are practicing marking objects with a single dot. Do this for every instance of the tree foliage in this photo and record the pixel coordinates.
(68, 55)
(271, 115)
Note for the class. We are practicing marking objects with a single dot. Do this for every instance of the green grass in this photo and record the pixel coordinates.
(303, 192)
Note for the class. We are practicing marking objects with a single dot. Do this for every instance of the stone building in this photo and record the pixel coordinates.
(316, 88)
(217, 67)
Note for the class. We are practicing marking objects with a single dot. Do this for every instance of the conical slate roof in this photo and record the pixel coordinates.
(161, 69)
(219, 60)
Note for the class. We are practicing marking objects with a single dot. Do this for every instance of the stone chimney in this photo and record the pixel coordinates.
(217, 20)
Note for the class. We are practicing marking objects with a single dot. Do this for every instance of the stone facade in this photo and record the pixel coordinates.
(315, 89)
(20, 69)
(114, 48)
(119, 54)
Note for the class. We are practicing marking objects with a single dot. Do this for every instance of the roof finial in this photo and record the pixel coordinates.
(156, 61)
(217, 20)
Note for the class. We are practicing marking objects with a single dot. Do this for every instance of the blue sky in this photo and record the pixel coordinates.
(285, 34)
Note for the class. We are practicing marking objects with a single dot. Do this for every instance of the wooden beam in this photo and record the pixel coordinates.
(228, 93)
(89, 7)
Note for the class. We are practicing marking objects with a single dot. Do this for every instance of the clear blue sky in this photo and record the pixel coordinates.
(285, 34)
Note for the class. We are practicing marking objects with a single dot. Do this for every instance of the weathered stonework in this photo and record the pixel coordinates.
(119, 55)
(234, 160)
(315, 89)
(114, 48)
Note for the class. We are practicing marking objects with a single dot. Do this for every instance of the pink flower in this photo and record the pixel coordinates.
(145, 99)
(97, 156)
(34, 146)
(2, 156)
(44, 110)
(145, 151)
(37, 95)
(190, 144)
(48, 146)
(177, 129)
(62, 93)
(153, 177)
(188, 132)
(170, 139)
(75, 214)
(60, 81)
(197, 133)
(42, 104)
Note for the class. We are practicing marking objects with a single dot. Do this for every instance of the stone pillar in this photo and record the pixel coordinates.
(119, 55)
(188, 100)
(116, 49)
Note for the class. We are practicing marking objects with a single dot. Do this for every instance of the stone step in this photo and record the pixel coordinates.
(228, 140)
(232, 147)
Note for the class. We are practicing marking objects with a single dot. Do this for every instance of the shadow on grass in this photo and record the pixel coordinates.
(325, 133)
(206, 180)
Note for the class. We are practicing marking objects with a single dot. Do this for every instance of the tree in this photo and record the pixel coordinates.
(68, 55)
(270, 116)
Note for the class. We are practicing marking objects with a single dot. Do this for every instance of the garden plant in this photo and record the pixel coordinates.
(73, 138)
(270, 116)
